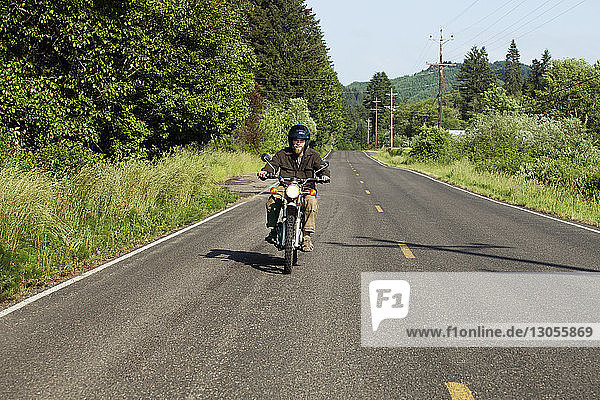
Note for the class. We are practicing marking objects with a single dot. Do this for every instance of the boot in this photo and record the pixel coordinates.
(272, 236)
(307, 244)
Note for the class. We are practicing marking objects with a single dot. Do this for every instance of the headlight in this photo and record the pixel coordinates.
(292, 191)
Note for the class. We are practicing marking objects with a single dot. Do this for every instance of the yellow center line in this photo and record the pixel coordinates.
(459, 391)
(379, 209)
(367, 192)
(406, 250)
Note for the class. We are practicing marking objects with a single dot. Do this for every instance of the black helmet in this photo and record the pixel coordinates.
(299, 131)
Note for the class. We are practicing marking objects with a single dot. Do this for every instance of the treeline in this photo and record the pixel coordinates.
(544, 129)
(425, 84)
(84, 80)
(554, 88)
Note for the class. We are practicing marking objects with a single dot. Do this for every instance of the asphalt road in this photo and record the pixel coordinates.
(209, 314)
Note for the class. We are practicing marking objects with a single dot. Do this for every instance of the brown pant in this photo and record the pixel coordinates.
(309, 205)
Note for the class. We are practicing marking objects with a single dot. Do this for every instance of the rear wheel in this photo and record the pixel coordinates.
(290, 251)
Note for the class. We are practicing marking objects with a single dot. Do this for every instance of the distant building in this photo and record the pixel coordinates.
(456, 132)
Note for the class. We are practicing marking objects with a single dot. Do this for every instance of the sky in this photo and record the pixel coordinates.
(392, 36)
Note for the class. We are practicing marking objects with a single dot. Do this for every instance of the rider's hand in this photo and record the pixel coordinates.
(262, 175)
(325, 178)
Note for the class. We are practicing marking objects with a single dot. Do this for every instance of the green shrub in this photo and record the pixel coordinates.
(553, 152)
(121, 77)
(395, 152)
(496, 100)
(432, 144)
(495, 142)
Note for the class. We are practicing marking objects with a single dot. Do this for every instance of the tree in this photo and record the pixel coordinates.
(538, 69)
(378, 89)
(293, 61)
(513, 82)
(354, 133)
(571, 88)
(475, 77)
(120, 78)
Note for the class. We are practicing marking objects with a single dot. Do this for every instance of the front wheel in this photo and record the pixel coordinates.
(290, 225)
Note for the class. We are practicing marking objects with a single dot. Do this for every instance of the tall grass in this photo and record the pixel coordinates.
(51, 227)
(515, 189)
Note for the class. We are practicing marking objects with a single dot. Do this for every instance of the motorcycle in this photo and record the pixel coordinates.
(290, 226)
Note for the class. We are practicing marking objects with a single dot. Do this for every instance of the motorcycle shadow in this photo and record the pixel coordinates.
(259, 261)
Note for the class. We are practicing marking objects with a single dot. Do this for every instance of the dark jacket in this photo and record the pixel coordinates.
(285, 161)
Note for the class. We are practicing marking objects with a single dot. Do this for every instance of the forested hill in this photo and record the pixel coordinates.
(424, 84)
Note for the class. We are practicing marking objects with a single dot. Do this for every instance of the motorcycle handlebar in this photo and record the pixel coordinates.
(316, 180)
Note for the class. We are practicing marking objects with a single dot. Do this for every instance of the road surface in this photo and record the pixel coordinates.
(208, 313)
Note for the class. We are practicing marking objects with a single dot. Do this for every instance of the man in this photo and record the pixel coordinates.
(296, 161)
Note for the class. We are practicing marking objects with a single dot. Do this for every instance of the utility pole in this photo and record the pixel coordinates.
(368, 131)
(441, 65)
(376, 101)
(392, 94)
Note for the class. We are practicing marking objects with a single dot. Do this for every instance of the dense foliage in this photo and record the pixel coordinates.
(119, 79)
(551, 151)
(410, 118)
(85, 80)
(432, 144)
(571, 88)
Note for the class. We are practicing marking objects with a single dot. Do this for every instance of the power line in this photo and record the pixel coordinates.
(376, 109)
(441, 75)
(525, 16)
(486, 17)
(473, 38)
(298, 79)
(392, 108)
(422, 54)
(529, 22)
(547, 22)
(497, 21)
(461, 13)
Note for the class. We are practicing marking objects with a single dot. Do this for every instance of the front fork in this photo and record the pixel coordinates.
(295, 207)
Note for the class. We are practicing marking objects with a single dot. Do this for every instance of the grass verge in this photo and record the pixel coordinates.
(513, 189)
(53, 227)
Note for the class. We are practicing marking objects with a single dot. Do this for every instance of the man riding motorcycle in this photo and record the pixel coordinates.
(296, 161)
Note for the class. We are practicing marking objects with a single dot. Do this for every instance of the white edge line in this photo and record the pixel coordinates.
(487, 198)
(69, 282)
